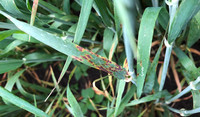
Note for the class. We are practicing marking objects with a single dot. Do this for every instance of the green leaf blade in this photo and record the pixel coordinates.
(77, 112)
(6, 95)
(194, 34)
(144, 45)
(67, 47)
(186, 10)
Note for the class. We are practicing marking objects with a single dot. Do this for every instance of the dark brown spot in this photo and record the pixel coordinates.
(88, 56)
(141, 63)
(80, 48)
(84, 57)
(137, 74)
(102, 68)
(78, 59)
(91, 62)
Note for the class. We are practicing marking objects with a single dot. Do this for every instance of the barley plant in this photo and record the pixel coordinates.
(113, 58)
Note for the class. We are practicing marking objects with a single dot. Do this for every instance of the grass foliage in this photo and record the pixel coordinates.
(49, 50)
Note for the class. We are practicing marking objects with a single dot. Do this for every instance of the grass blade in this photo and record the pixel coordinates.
(74, 104)
(12, 80)
(8, 26)
(66, 6)
(11, 46)
(163, 18)
(83, 20)
(107, 40)
(194, 34)
(119, 95)
(127, 23)
(67, 47)
(7, 33)
(103, 10)
(146, 99)
(26, 94)
(8, 65)
(185, 61)
(50, 7)
(191, 73)
(6, 95)
(151, 74)
(34, 11)
(186, 10)
(144, 44)
(81, 26)
(11, 7)
(126, 99)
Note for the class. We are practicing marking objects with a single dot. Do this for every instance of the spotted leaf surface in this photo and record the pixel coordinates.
(67, 47)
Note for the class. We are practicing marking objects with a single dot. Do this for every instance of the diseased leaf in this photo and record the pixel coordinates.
(67, 47)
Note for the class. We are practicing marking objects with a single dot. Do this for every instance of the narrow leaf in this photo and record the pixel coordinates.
(146, 99)
(6, 95)
(186, 10)
(11, 7)
(103, 10)
(144, 44)
(194, 34)
(8, 65)
(12, 80)
(151, 73)
(77, 112)
(7, 33)
(119, 95)
(11, 46)
(67, 47)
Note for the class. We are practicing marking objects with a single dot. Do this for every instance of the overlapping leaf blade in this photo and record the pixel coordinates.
(11, 7)
(74, 104)
(21, 103)
(151, 73)
(191, 74)
(186, 10)
(8, 65)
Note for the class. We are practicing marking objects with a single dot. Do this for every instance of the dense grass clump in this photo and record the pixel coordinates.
(99, 58)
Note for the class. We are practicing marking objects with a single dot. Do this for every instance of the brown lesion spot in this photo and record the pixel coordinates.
(125, 64)
(77, 58)
(88, 56)
(102, 68)
(106, 60)
(80, 48)
(137, 74)
(119, 67)
(91, 63)
(141, 63)
(84, 57)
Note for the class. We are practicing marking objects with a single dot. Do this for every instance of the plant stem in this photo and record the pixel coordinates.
(127, 39)
(193, 85)
(173, 5)
(165, 67)
(184, 112)
(129, 54)
(154, 3)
